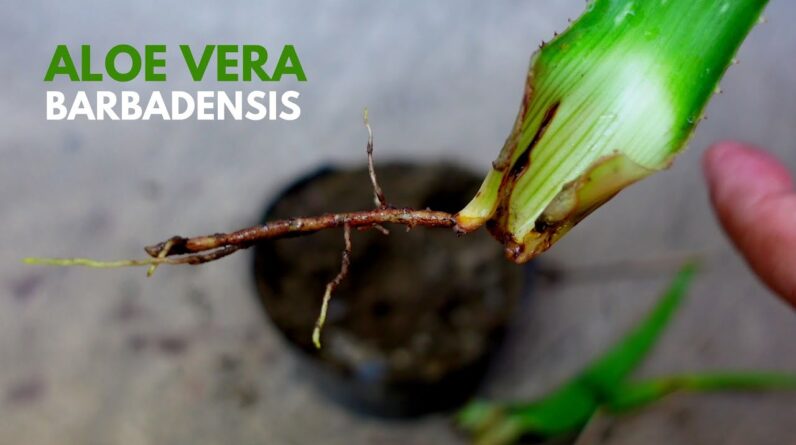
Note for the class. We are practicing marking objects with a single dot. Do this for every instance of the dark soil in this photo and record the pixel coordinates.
(413, 325)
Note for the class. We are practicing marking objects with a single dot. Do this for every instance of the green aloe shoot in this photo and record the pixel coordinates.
(610, 101)
(603, 385)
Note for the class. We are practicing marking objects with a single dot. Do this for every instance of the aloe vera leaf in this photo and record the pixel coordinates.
(629, 80)
(637, 394)
(609, 370)
(569, 408)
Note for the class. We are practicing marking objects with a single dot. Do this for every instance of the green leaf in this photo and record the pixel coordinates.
(607, 103)
(636, 395)
(569, 408)
(607, 372)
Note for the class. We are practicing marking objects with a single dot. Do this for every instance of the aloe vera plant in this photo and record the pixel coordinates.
(610, 101)
(604, 385)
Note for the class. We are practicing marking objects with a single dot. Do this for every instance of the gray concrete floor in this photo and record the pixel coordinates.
(110, 357)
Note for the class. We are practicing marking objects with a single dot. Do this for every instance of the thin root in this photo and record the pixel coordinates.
(304, 226)
(204, 249)
(378, 194)
(192, 259)
(162, 254)
(331, 286)
(384, 231)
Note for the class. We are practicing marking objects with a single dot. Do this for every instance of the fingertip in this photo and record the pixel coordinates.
(752, 193)
(713, 157)
(739, 171)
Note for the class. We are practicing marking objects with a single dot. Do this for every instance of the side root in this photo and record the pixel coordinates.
(332, 285)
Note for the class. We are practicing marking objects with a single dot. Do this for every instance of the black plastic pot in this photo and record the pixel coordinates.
(413, 327)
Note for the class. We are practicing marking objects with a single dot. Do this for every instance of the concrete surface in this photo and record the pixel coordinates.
(93, 357)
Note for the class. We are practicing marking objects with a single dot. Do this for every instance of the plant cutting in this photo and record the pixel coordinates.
(608, 102)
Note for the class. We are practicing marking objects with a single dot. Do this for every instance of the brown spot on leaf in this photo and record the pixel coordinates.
(502, 162)
(497, 225)
(521, 164)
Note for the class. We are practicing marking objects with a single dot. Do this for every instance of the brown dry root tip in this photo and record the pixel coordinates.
(332, 285)
(157, 249)
(378, 194)
(303, 226)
